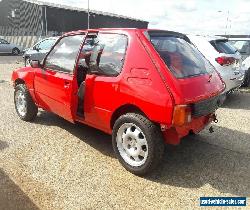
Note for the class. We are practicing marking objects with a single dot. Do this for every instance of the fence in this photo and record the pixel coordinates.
(23, 37)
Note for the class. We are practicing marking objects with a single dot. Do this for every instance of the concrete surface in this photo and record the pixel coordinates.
(10, 59)
(53, 164)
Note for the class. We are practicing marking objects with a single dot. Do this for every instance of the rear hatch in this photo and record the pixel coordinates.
(195, 79)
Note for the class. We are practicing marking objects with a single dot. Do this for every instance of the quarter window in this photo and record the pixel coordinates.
(63, 56)
(2, 41)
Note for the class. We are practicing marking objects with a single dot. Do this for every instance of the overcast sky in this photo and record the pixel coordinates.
(187, 16)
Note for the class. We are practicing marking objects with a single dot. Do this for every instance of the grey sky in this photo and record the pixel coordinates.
(188, 16)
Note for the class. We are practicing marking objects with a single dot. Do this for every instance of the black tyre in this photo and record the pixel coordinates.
(138, 143)
(247, 79)
(25, 107)
(15, 51)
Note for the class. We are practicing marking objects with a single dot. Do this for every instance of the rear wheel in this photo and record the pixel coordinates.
(138, 143)
(25, 107)
(15, 51)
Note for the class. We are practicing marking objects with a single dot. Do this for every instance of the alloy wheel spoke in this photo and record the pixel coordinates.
(142, 153)
(136, 158)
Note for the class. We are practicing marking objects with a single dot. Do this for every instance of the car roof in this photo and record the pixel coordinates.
(154, 32)
(53, 37)
(207, 37)
(124, 30)
(99, 29)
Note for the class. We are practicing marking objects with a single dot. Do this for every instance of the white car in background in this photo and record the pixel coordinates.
(224, 57)
(243, 46)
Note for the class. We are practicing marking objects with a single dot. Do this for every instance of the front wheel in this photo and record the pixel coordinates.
(25, 107)
(138, 143)
(15, 51)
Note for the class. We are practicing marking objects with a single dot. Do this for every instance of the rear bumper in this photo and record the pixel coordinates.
(233, 82)
(173, 135)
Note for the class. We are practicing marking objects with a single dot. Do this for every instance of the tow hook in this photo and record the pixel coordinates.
(211, 129)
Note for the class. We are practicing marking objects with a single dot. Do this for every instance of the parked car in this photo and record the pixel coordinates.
(145, 87)
(39, 50)
(9, 48)
(243, 46)
(225, 58)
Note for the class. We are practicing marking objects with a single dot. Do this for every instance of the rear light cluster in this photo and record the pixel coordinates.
(223, 61)
(182, 114)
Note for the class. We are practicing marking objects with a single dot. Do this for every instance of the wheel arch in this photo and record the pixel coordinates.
(18, 81)
(126, 108)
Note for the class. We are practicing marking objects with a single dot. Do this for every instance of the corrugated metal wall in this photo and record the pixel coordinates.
(17, 15)
(24, 23)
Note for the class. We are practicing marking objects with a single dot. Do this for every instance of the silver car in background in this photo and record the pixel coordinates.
(9, 48)
(243, 46)
(39, 50)
(224, 57)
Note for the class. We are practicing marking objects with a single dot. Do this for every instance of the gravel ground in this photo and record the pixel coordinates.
(10, 59)
(52, 164)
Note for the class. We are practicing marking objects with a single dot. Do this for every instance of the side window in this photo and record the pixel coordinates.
(63, 56)
(106, 53)
(46, 44)
(2, 41)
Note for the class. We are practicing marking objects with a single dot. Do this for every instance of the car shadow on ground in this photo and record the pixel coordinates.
(11, 196)
(3, 145)
(237, 100)
(192, 164)
(91, 136)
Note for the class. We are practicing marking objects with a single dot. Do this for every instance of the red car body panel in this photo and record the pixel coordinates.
(174, 134)
(25, 74)
(145, 82)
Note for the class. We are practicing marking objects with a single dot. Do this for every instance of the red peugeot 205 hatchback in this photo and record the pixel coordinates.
(145, 87)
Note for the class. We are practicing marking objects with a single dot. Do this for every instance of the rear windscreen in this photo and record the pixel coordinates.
(223, 46)
(182, 58)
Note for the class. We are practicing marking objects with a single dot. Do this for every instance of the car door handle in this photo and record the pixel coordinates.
(66, 84)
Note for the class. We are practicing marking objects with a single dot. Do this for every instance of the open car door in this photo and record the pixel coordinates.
(55, 84)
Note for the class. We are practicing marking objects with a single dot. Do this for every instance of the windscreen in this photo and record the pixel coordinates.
(223, 46)
(182, 58)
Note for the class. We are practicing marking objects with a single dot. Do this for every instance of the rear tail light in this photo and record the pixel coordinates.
(225, 60)
(182, 115)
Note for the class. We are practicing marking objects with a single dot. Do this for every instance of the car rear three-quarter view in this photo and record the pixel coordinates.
(145, 87)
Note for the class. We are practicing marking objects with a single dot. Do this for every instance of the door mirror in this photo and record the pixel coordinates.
(35, 64)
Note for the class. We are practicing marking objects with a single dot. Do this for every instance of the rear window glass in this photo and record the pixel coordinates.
(182, 58)
(223, 46)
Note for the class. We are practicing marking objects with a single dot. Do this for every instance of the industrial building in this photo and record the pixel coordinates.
(29, 18)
